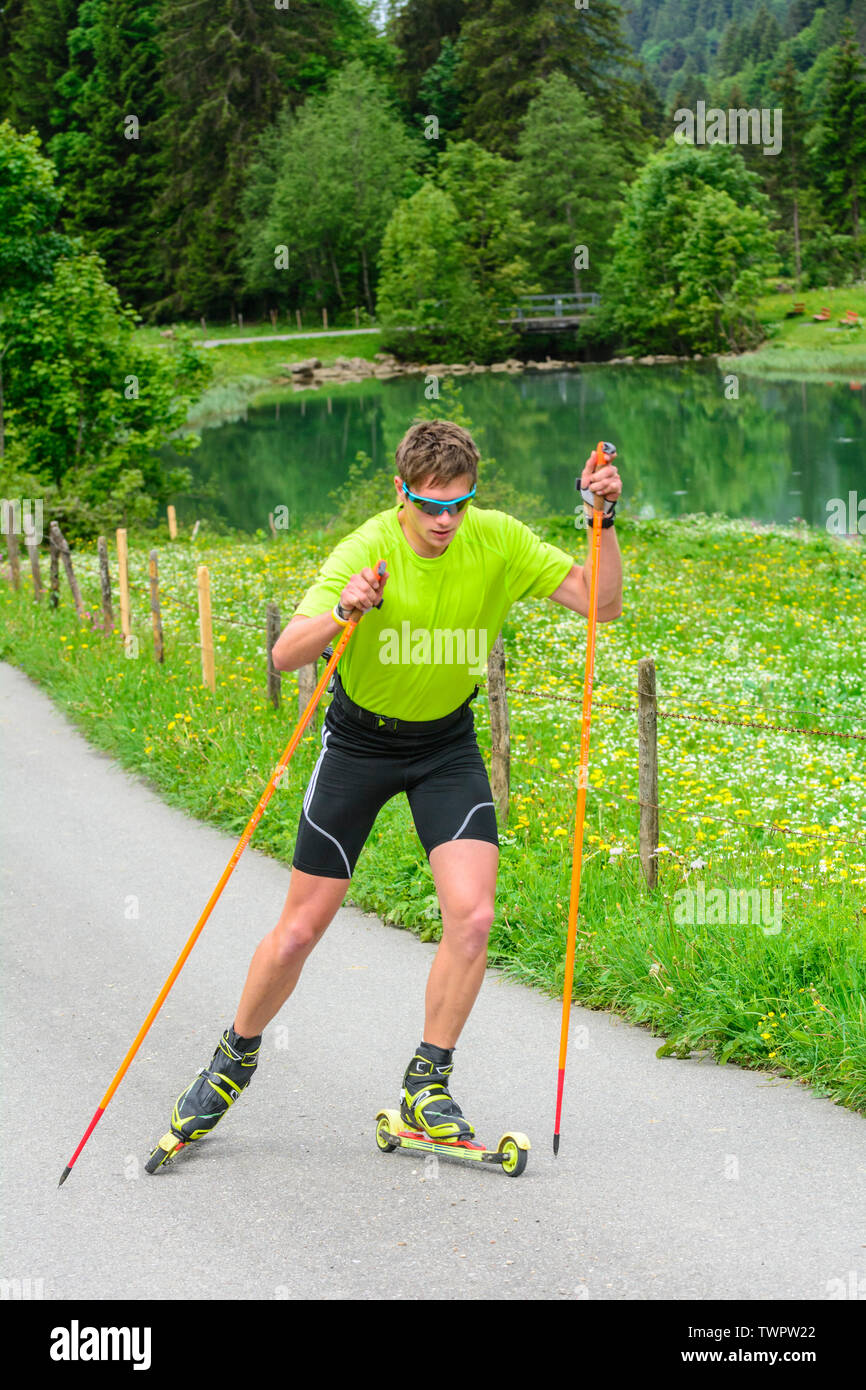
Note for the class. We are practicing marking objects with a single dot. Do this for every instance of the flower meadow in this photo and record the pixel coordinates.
(750, 626)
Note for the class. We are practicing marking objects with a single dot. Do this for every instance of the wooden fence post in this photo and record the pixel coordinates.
(105, 585)
(648, 772)
(172, 522)
(11, 537)
(298, 319)
(308, 678)
(500, 731)
(63, 550)
(156, 615)
(324, 318)
(205, 627)
(123, 581)
(275, 680)
(54, 571)
(33, 551)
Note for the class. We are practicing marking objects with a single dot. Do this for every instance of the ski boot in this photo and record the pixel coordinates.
(426, 1104)
(431, 1122)
(215, 1088)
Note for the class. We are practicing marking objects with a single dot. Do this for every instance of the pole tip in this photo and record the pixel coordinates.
(66, 1172)
(555, 1144)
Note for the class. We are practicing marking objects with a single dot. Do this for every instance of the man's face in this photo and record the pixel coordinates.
(434, 532)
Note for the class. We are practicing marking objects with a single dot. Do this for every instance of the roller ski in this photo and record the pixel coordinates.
(215, 1089)
(430, 1120)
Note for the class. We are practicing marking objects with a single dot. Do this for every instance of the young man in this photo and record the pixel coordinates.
(400, 721)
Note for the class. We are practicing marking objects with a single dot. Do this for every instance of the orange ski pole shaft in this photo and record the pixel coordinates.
(224, 877)
(577, 850)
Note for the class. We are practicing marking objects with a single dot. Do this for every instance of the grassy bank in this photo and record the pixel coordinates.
(796, 346)
(744, 625)
(248, 373)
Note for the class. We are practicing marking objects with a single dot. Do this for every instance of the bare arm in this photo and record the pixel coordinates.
(303, 640)
(573, 592)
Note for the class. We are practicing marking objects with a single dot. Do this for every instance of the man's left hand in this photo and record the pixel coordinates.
(604, 479)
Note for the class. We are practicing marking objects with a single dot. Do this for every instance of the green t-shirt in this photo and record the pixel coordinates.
(422, 653)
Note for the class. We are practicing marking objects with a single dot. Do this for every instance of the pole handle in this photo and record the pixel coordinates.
(357, 613)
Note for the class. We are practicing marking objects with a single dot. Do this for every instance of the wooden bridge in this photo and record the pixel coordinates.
(551, 313)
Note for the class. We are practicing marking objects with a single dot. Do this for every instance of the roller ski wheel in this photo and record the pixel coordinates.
(168, 1146)
(510, 1155)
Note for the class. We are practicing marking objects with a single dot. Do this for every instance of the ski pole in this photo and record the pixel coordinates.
(254, 819)
(577, 850)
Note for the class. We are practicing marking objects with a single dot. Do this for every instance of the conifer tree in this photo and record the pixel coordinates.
(38, 58)
(841, 151)
(108, 155)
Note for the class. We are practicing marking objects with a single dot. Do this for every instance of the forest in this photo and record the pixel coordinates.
(436, 152)
(422, 166)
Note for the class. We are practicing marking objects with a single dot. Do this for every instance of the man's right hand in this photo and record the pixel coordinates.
(363, 591)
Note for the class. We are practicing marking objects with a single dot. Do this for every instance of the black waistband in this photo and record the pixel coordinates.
(370, 720)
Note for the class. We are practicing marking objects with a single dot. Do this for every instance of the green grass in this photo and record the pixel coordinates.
(250, 373)
(797, 346)
(744, 624)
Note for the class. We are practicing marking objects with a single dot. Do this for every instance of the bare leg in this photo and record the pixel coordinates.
(310, 907)
(464, 872)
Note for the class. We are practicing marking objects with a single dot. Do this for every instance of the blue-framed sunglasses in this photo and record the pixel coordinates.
(432, 507)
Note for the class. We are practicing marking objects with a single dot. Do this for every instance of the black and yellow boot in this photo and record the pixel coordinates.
(213, 1091)
(425, 1101)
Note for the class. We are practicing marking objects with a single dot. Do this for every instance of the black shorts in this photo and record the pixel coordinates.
(360, 768)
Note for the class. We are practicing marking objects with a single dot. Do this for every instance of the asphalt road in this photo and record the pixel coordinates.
(675, 1179)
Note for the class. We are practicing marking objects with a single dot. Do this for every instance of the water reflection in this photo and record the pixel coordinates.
(780, 451)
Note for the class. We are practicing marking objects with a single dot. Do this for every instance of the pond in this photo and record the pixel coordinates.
(779, 450)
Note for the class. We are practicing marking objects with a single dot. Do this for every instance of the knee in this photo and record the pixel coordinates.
(295, 939)
(473, 931)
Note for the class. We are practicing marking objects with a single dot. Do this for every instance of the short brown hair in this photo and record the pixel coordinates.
(436, 451)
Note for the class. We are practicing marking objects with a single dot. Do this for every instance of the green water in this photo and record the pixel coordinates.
(781, 450)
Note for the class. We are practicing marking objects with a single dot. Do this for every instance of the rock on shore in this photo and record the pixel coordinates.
(310, 373)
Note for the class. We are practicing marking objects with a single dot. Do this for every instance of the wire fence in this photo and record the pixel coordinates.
(697, 718)
(265, 632)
